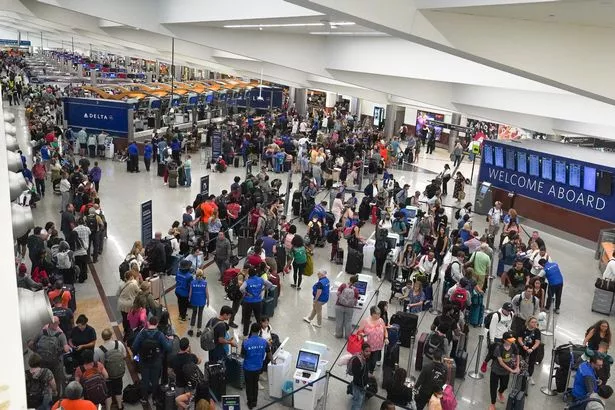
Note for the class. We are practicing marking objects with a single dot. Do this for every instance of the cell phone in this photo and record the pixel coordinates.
(136, 358)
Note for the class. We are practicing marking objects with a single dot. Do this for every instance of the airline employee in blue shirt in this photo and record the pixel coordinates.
(255, 350)
(320, 292)
(556, 283)
(199, 298)
(183, 279)
(252, 289)
(586, 381)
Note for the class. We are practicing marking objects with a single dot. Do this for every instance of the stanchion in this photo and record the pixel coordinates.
(547, 389)
(550, 323)
(476, 374)
(411, 352)
(489, 286)
(434, 306)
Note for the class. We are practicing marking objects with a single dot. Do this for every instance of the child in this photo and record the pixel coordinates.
(334, 239)
(265, 331)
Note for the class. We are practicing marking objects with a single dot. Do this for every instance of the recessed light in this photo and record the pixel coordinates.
(341, 23)
(551, 15)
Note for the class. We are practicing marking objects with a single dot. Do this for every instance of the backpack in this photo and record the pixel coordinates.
(448, 400)
(114, 361)
(447, 273)
(381, 245)
(349, 364)
(534, 299)
(459, 297)
(124, 267)
(347, 297)
(35, 390)
(63, 260)
(192, 374)
(208, 339)
(332, 236)
(434, 342)
(487, 321)
(149, 350)
(168, 249)
(458, 214)
(48, 349)
(232, 290)
(94, 384)
(92, 223)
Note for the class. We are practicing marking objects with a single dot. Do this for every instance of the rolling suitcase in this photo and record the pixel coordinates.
(268, 307)
(477, 310)
(243, 244)
(172, 178)
(156, 286)
(516, 397)
(166, 399)
(368, 256)
(216, 374)
(461, 361)
(451, 372)
(387, 376)
(236, 162)
(234, 371)
(161, 168)
(181, 177)
(354, 262)
(391, 355)
(280, 256)
(72, 304)
(339, 256)
(407, 326)
(272, 292)
(420, 345)
(393, 333)
(296, 203)
(602, 301)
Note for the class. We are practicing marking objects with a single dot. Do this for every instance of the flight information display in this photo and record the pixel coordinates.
(560, 171)
(488, 154)
(534, 165)
(522, 162)
(499, 157)
(575, 175)
(589, 178)
(547, 168)
(510, 159)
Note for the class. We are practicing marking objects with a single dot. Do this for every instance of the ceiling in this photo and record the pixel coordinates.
(494, 59)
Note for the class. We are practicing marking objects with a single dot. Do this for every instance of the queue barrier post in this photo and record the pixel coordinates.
(550, 330)
(548, 390)
(476, 374)
(490, 286)
(434, 307)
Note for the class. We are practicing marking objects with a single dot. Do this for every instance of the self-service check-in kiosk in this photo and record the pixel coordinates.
(366, 290)
(484, 198)
(305, 376)
(278, 371)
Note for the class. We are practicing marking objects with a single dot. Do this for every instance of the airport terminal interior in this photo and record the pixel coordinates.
(441, 156)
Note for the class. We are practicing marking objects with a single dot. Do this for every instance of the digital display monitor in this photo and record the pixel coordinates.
(488, 154)
(605, 183)
(547, 168)
(483, 190)
(560, 171)
(392, 242)
(410, 212)
(308, 361)
(522, 162)
(575, 175)
(499, 157)
(361, 286)
(209, 99)
(510, 159)
(534, 165)
(589, 178)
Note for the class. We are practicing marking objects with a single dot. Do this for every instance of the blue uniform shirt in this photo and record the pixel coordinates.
(254, 348)
(579, 390)
(553, 274)
(254, 289)
(182, 283)
(133, 150)
(323, 283)
(148, 151)
(198, 297)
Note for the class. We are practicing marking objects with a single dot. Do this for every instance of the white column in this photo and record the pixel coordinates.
(355, 106)
(389, 122)
(331, 100)
(301, 101)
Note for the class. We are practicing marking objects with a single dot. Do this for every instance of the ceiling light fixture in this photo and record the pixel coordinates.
(260, 89)
(282, 25)
(349, 33)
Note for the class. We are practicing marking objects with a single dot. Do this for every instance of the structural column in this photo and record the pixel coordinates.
(301, 101)
(454, 135)
(330, 100)
(355, 106)
(389, 122)
(291, 96)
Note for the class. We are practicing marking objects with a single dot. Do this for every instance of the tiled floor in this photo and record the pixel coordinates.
(123, 193)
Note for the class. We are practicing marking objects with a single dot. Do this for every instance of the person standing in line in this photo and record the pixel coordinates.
(199, 298)
(73, 399)
(299, 254)
(556, 283)
(433, 374)
(252, 289)
(494, 217)
(256, 349)
(223, 253)
(65, 189)
(320, 291)
(112, 354)
(457, 153)
(220, 327)
(82, 138)
(95, 175)
(100, 140)
(40, 173)
(501, 321)
(505, 363)
(92, 141)
(148, 153)
(360, 376)
(133, 157)
(375, 330)
(529, 342)
(187, 165)
(459, 188)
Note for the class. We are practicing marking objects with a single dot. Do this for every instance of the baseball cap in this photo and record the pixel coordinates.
(508, 306)
(508, 337)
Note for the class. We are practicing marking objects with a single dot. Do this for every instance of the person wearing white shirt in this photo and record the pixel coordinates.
(337, 208)
(494, 217)
(609, 271)
(65, 190)
(456, 265)
(536, 256)
(303, 127)
(500, 324)
(428, 265)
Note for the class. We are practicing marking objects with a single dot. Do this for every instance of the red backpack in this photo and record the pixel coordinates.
(460, 297)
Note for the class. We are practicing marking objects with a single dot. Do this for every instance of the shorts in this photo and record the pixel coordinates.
(115, 387)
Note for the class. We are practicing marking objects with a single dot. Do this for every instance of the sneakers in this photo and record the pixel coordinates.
(557, 311)
(190, 332)
(198, 334)
(501, 398)
(306, 319)
(233, 325)
(298, 287)
(483, 367)
(292, 285)
(260, 386)
(183, 319)
(532, 382)
(316, 325)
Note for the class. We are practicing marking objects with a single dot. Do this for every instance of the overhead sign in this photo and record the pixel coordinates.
(231, 402)
(5, 42)
(453, 127)
(205, 185)
(98, 115)
(147, 226)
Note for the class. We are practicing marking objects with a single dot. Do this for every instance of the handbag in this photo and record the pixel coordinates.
(355, 343)
(462, 195)
(605, 284)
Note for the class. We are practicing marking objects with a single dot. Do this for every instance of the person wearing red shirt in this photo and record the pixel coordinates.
(73, 399)
(57, 291)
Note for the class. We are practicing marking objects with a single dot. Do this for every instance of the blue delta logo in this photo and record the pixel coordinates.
(93, 116)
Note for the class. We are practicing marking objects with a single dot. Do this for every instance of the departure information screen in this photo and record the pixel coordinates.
(547, 168)
(499, 157)
(589, 178)
(510, 159)
(560, 171)
(575, 175)
(488, 154)
(522, 162)
(534, 165)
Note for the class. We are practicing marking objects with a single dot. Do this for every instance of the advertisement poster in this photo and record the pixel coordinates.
(480, 130)
(423, 124)
(508, 132)
(95, 114)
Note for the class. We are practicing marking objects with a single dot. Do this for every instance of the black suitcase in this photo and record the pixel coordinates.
(420, 346)
(243, 244)
(280, 256)
(236, 162)
(234, 371)
(339, 256)
(516, 397)
(408, 323)
(387, 376)
(296, 203)
(166, 399)
(181, 177)
(216, 374)
(461, 360)
(354, 262)
(268, 307)
(391, 355)
(161, 168)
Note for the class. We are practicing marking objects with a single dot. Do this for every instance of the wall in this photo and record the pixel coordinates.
(367, 107)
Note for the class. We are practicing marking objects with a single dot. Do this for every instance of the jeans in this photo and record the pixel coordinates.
(147, 162)
(494, 380)
(223, 264)
(298, 269)
(343, 321)
(358, 397)
(182, 304)
(150, 378)
(248, 309)
(317, 311)
(197, 311)
(251, 387)
(40, 186)
(457, 160)
(554, 290)
(188, 174)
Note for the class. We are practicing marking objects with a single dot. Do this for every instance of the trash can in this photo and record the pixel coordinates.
(288, 389)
